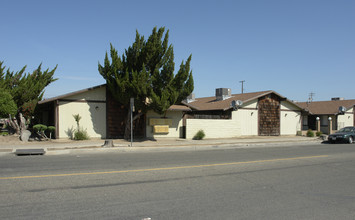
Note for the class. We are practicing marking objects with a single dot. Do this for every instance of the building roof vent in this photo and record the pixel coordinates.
(223, 94)
(342, 110)
(190, 98)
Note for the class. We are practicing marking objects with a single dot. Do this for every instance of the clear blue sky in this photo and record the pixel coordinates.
(293, 47)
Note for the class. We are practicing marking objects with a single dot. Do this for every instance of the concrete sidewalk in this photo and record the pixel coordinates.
(62, 146)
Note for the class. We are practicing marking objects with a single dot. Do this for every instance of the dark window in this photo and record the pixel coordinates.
(211, 115)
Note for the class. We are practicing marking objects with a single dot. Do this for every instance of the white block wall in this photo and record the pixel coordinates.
(175, 131)
(243, 122)
(290, 119)
(213, 128)
(347, 119)
(290, 122)
(248, 121)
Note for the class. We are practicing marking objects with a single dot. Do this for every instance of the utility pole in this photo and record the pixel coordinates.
(242, 82)
(310, 99)
(131, 110)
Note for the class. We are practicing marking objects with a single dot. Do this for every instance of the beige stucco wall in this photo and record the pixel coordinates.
(175, 131)
(243, 122)
(213, 128)
(290, 119)
(247, 116)
(347, 119)
(248, 121)
(93, 114)
(286, 105)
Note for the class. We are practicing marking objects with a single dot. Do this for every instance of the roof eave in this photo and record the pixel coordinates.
(69, 94)
(190, 106)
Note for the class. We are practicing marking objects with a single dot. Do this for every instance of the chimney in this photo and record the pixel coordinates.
(223, 93)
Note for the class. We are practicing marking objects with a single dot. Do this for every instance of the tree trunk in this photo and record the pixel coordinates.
(127, 131)
(17, 126)
(12, 123)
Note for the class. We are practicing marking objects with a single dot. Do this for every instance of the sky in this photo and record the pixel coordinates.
(294, 47)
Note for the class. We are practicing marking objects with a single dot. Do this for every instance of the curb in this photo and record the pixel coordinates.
(164, 147)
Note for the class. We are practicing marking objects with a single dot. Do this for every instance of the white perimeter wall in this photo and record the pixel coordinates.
(290, 118)
(347, 119)
(213, 128)
(248, 118)
(93, 114)
(243, 122)
(175, 131)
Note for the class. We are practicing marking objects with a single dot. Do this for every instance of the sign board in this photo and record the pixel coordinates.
(161, 129)
(160, 121)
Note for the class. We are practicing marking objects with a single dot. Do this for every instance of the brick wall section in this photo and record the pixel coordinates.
(116, 119)
(269, 115)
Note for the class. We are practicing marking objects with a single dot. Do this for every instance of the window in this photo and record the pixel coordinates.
(211, 115)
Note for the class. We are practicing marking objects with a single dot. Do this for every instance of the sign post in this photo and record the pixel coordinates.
(132, 110)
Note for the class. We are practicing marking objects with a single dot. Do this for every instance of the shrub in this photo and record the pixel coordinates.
(80, 135)
(4, 133)
(39, 128)
(199, 135)
(310, 133)
(319, 133)
(77, 118)
(50, 129)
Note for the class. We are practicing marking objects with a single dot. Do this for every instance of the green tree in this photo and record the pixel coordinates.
(7, 104)
(26, 89)
(145, 71)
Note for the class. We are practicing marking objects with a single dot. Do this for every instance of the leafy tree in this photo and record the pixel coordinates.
(26, 89)
(145, 71)
(7, 104)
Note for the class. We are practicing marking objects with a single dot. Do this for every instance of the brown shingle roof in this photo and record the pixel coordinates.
(211, 103)
(179, 108)
(70, 94)
(326, 107)
(171, 108)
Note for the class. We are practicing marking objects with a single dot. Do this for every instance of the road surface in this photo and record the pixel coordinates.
(281, 182)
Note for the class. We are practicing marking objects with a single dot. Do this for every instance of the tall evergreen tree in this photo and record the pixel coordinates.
(26, 89)
(146, 73)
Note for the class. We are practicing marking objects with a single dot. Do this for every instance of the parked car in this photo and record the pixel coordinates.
(346, 134)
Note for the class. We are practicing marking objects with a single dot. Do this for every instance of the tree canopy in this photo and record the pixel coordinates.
(7, 104)
(145, 71)
(26, 89)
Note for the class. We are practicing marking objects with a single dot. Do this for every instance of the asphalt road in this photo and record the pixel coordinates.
(291, 182)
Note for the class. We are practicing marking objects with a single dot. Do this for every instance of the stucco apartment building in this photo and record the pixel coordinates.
(103, 117)
(224, 115)
(227, 115)
(339, 112)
